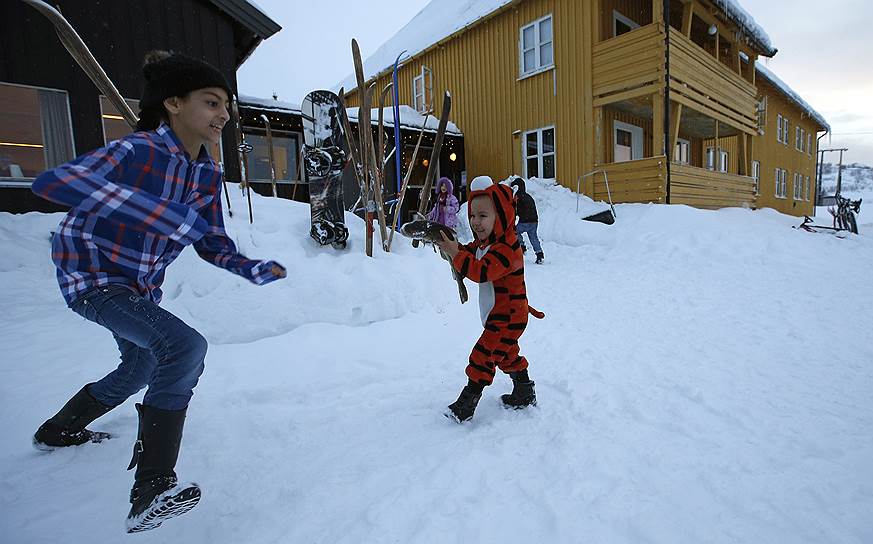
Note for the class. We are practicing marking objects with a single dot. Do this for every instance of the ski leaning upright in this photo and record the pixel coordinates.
(324, 157)
(424, 197)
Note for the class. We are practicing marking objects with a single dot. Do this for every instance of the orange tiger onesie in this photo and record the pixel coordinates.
(497, 265)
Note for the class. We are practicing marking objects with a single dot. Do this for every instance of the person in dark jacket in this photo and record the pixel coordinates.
(526, 210)
(136, 204)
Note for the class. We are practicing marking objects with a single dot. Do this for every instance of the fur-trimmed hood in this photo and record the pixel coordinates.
(504, 203)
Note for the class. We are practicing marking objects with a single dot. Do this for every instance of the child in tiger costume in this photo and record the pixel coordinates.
(494, 261)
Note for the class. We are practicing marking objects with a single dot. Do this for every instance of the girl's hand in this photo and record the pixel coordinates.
(448, 246)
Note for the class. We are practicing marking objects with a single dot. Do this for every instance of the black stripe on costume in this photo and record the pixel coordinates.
(517, 297)
(515, 246)
(508, 341)
(498, 317)
(491, 328)
(465, 266)
(483, 276)
(480, 368)
(481, 349)
(502, 258)
(500, 352)
(519, 272)
(516, 326)
(500, 213)
(501, 290)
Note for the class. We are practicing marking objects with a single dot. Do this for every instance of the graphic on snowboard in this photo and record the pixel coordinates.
(324, 157)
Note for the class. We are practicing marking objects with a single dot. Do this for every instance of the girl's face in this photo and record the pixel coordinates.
(482, 217)
(443, 188)
(200, 116)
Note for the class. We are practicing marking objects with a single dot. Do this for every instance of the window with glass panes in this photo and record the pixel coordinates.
(682, 151)
(779, 128)
(806, 190)
(798, 186)
(785, 130)
(756, 173)
(539, 153)
(422, 90)
(535, 46)
(35, 130)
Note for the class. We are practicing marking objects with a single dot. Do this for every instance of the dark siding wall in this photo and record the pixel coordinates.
(119, 33)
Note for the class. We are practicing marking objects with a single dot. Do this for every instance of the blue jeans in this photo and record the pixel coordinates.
(158, 349)
(531, 230)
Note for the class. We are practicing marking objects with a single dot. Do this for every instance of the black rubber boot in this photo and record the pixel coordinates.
(156, 495)
(67, 427)
(540, 258)
(462, 409)
(523, 394)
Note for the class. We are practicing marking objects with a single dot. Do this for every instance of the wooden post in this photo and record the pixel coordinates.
(658, 123)
(599, 140)
(657, 11)
(675, 118)
(687, 14)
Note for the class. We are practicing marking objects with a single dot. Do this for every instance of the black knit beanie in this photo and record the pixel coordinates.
(173, 74)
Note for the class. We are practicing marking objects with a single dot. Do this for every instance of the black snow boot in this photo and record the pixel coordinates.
(156, 495)
(462, 409)
(523, 394)
(540, 258)
(67, 427)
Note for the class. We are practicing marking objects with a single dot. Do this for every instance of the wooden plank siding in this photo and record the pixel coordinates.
(493, 107)
(598, 79)
(773, 154)
(708, 189)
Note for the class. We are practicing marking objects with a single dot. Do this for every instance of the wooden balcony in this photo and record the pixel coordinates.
(630, 65)
(633, 65)
(703, 188)
(700, 81)
(645, 180)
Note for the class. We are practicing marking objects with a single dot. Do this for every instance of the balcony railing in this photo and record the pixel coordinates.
(645, 180)
(703, 83)
(634, 59)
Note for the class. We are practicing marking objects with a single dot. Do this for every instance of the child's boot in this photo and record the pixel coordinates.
(67, 427)
(540, 257)
(523, 393)
(157, 495)
(462, 409)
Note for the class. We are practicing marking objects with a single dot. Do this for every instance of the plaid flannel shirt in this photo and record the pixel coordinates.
(136, 204)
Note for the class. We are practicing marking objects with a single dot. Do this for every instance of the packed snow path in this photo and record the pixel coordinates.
(702, 377)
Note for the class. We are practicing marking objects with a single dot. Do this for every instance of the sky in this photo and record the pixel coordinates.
(825, 55)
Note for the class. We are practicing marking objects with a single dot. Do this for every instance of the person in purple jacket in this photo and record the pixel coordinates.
(445, 211)
(136, 204)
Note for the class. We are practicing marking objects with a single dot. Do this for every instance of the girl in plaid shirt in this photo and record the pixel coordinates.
(136, 204)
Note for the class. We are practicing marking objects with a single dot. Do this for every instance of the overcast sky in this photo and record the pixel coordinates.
(825, 54)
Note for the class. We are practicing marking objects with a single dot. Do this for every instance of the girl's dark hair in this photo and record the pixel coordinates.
(151, 115)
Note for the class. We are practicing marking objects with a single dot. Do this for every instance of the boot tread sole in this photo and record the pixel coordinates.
(165, 508)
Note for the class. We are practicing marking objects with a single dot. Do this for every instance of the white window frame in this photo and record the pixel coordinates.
(785, 130)
(798, 187)
(806, 190)
(637, 135)
(722, 161)
(809, 143)
(425, 76)
(798, 139)
(537, 48)
(756, 174)
(539, 156)
(682, 144)
(781, 183)
(618, 17)
(779, 128)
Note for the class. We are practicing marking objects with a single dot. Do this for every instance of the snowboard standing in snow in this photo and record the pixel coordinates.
(324, 157)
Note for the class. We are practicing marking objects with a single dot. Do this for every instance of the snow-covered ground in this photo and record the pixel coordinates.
(703, 376)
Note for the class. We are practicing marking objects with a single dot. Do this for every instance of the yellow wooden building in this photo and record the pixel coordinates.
(588, 90)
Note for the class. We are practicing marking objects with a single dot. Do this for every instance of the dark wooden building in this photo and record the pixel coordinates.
(286, 126)
(51, 112)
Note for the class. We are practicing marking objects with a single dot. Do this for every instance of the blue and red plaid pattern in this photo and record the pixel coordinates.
(136, 204)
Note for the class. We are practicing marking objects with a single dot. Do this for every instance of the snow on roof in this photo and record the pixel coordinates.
(746, 22)
(791, 94)
(409, 118)
(268, 104)
(440, 19)
(437, 20)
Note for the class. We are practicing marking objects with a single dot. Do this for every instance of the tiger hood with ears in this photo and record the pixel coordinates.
(504, 203)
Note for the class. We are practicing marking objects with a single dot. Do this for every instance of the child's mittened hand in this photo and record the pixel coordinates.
(449, 246)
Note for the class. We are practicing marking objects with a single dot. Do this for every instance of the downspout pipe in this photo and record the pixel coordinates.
(667, 151)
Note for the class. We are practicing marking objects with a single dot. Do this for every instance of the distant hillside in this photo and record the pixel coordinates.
(857, 178)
